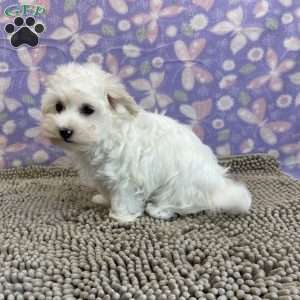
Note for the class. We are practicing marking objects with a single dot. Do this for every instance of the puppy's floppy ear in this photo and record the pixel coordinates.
(118, 97)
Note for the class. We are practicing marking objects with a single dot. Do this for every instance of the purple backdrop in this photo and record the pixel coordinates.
(229, 68)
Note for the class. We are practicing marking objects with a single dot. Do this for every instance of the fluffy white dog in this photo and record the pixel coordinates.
(138, 161)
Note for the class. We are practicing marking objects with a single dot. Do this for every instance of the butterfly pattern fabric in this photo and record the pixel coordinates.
(256, 116)
(227, 69)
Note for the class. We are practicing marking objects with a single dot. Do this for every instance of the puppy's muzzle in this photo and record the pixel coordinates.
(66, 134)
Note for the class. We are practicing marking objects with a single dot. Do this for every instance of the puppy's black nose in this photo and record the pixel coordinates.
(65, 133)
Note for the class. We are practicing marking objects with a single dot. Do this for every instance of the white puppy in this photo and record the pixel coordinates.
(138, 161)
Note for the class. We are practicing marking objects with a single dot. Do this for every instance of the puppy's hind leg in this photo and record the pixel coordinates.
(234, 198)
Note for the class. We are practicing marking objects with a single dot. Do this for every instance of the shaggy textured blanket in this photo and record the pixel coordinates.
(55, 244)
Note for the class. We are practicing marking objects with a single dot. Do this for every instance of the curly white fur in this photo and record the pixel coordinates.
(138, 161)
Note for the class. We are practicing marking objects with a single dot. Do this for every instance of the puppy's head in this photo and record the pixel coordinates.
(81, 104)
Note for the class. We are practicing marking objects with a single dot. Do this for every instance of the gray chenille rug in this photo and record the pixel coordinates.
(55, 244)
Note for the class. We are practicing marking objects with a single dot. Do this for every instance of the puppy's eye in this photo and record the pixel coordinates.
(59, 107)
(86, 110)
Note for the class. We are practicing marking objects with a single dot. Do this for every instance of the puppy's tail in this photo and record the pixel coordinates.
(234, 197)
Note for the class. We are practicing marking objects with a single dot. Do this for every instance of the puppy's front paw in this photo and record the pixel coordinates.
(159, 213)
(100, 200)
(124, 218)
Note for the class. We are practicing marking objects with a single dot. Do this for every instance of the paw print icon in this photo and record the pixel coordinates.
(24, 32)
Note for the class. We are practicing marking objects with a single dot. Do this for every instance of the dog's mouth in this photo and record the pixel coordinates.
(58, 141)
(55, 140)
(68, 141)
(61, 142)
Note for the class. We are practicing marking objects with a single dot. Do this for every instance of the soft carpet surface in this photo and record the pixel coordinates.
(55, 244)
